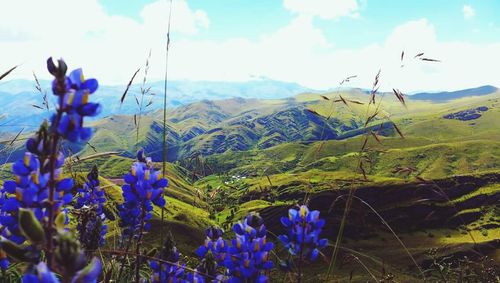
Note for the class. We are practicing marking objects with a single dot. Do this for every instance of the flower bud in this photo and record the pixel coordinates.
(31, 227)
(60, 220)
(68, 253)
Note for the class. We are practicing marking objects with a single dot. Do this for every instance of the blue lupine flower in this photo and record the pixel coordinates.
(75, 91)
(91, 195)
(213, 243)
(248, 257)
(30, 190)
(195, 277)
(169, 269)
(144, 187)
(34, 172)
(91, 218)
(304, 228)
(78, 82)
(168, 272)
(4, 261)
(212, 252)
(42, 275)
(76, 100)
(90, 273)
(71, 128)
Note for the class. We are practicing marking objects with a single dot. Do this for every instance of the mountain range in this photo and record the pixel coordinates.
(18, 97)
(433, 180)
(208, 127)
(22, 102)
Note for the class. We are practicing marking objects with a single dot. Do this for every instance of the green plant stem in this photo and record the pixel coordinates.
(164, 154)
(122, 265)
(138, 245)
(395, 235)
(164, 159)
(52, 182)
(440, 271)
(341, 232)
(301, 254)
(127, 253)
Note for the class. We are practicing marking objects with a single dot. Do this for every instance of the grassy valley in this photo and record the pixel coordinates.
(430, 194)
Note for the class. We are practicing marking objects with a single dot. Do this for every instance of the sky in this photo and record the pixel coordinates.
(315, 43)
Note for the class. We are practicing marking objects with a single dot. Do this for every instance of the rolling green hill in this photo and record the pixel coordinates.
(214, 127)
(438, 187)
(446, 196)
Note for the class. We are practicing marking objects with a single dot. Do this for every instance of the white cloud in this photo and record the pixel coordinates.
(184, 20)
(469, 12)
(324, 9)
(419, 33)
(108, 47)
(299, 52)
(111, 48)
(285, 54)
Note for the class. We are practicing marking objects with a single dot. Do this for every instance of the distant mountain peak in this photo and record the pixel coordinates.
(450, 95)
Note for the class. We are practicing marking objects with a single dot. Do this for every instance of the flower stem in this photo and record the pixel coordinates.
(52, 181)
(138, 245)
(129, 242)
(301, 254)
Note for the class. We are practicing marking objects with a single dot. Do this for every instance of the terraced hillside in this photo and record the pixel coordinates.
(213, 127)
(438, 187)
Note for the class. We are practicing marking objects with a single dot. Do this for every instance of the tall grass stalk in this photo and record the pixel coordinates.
(353, 189)
(369, 118)
(394, 233)
(365, 267)
(144, 92)
(165, 85)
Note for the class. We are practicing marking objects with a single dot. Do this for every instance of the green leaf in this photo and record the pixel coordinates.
(14, 250)
(31, 227)
(152, 252)
(60, 220)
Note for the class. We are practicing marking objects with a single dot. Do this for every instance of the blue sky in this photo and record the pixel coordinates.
(254, 18)
(312, 42)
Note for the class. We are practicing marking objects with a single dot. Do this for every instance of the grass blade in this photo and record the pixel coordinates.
(15, 138)
(398, 130)
(36, 106)
(128, 87)
(343, 100)
(430, 60)
(8, 72)
(364, 143)
(355, 102)
(92, 147)
(376, 137)
(348, 79)
(313, 112)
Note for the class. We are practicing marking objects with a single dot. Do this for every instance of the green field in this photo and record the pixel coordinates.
(437, 187)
